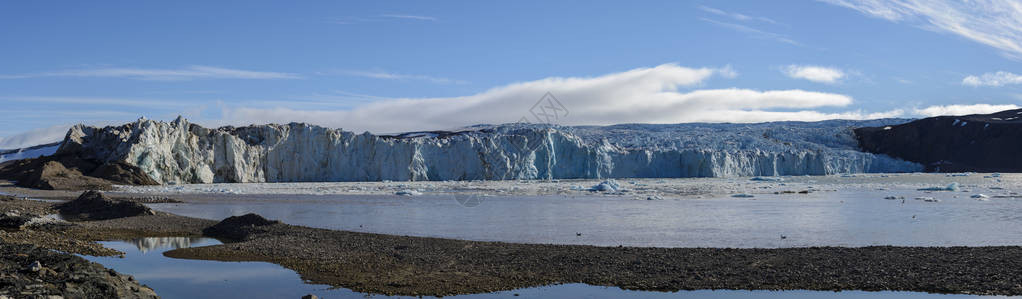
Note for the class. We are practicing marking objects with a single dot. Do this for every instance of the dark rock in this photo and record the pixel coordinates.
(71, 172)
(310, 296)
(122, 173)
(49, 174)
(94, 205)
(238, 227)
(13, 220)
(35, 272)
(979, 142)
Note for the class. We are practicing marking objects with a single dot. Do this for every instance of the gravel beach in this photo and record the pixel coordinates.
(400, 265)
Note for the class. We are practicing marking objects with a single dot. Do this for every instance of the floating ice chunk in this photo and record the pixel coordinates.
(956, 122)
(654, 197)
(743, 195)
(959, 174)
(996, 175)
(408, 193)
(892, 197)
(927, 199)
(766, 179)
(606, 186)
(980, 196)
(887, 128)
(950, 187)
(964, 123)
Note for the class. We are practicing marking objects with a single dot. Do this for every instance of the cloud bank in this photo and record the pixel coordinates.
(814, 73)
(34, 137)
(646, 95)
(995, 23)
(963, 109)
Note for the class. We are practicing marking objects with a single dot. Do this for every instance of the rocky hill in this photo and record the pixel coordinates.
(979, 142)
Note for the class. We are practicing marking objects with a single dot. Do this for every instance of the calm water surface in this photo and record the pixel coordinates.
(839, 218)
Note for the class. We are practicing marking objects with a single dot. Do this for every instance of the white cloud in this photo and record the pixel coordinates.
(644, 95)
(396, 76)
(814, 73)
(753, 32)
(963, 109)
(410, 17)
(35, 137)
(995, 23)
(734, 15)
(992, 79)
(186, 73)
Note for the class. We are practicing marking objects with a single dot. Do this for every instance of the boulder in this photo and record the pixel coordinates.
(239, 228)
(94, 205)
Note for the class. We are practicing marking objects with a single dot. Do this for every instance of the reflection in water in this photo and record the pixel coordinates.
(148, 244)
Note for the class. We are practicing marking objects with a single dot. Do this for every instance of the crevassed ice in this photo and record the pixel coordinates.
(180, 152)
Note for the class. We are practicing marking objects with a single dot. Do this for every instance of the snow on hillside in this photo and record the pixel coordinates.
(29, 152)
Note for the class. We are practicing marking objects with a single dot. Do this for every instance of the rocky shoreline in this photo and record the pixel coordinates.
(401, 265)
(398, 265)
(30, 271)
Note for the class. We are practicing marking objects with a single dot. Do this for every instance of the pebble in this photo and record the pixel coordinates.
(35, 266)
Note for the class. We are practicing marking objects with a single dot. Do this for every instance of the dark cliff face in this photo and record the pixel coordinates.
(979, 142)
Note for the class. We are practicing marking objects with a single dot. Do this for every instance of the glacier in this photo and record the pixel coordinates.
(180, 152)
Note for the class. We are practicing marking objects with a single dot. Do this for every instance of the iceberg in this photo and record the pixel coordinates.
(606, 186)
(950, 187)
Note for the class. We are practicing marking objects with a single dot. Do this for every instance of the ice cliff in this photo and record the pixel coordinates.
(181, 152)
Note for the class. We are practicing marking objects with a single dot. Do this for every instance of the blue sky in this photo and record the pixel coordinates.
(392, 66)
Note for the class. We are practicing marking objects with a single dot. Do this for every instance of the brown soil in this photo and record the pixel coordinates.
(68, 172)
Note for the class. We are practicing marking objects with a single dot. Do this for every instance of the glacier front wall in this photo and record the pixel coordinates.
(180, 152)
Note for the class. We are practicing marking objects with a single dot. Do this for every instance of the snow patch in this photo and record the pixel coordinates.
(28, 153)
